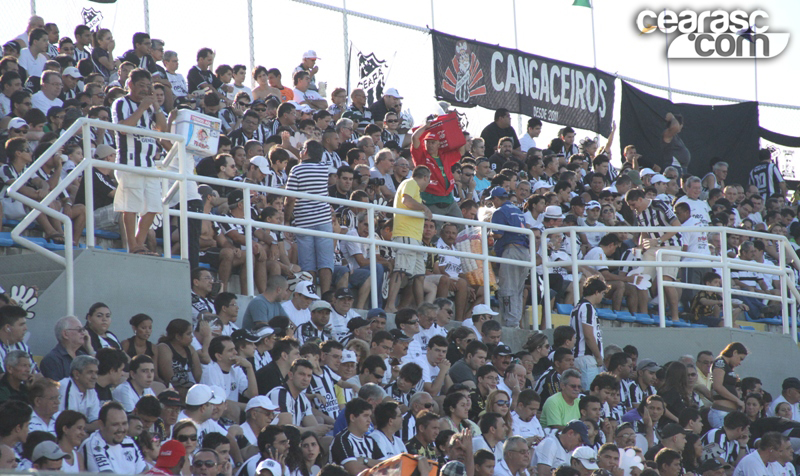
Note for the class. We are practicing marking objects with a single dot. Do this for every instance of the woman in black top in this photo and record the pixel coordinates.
(178, 362)
(458, 339)
(676, 392)
(539, 347)
(724, 382)
(142, 326)
(98, 320)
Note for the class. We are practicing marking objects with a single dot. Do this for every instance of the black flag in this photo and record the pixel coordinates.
(371, 76)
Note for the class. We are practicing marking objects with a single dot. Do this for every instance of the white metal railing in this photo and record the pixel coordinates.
(785, 274)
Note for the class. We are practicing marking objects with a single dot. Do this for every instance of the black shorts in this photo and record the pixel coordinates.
(210, 256)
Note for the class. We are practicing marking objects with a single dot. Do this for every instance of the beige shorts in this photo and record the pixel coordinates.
(412, 263)
(137, 193)
(650, 255)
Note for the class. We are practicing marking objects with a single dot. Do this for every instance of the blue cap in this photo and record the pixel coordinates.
(580, 428)
(499, 192)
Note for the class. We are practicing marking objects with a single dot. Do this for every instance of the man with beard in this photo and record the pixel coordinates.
(110, 449)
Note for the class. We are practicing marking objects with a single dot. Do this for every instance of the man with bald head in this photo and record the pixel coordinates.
(72, 337)
(8, 459)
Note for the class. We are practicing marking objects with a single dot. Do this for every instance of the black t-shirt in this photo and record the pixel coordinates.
(730, 380)
(269, 377)
(103, 186)
(378, 110)
(104, 393)
(196, 77)
(492, 134)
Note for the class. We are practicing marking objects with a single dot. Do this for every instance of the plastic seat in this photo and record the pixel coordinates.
(642, 318)
(607, 314)
(680, 324)
(698, 325)
(747, 328)
(775, 321)
(565, 309)
(5, 240)
(107, 235)
(625, 316)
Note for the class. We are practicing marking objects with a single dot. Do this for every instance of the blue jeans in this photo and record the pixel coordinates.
(589, 370)
(314, 252)
(360, 276)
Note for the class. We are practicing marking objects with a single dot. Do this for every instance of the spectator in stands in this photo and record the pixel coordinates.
(44, 397)
(47, 96)
(274, 374)
(425, 150)
(73, 340)
(78, 390)
(142, 374)
(562, 407)
(13, 384)
(230, 371)
(98, 321)
(513, 246)
(352, 448)
(13, 329)
(124, 457)
(266, 305)
(178, 362)
(357, 256)
(304, 94)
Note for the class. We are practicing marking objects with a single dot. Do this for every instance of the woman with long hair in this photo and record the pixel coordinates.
(539, 347)
(499, 401)
(150, 446)
(142, 326)
(692, 452)
(458, 339)
(98, 320)
(178, 362)
(754, 406)
(456, 414)
(102, 46)
(311, 459)
(185, 431)
(675, 391)
(724, 382)
(70, 433)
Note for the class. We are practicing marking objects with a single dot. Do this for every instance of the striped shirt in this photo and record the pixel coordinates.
(767, 177)
(398, 396)
(5, 349)
(638, 394)
(332, 160)
(585, 313)
(100, 457)
(299, 406)
(716, 443)
(409, 428)
(312, 178)
(659, 213)
(348, 447)
(79, 54)
(239, 138)
(361, 119)
(324, 385)
(308, 331)
(134, 150)
(548, 384)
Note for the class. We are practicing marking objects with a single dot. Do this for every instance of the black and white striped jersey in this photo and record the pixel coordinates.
(308, 331)
(659, 213)
(332, 160)
(398, 395)
(348, 447)
(299, 406)
(548, 384)
(134, 149)
(78, 55)
(585, 313)
(637, 394)
(767, 177)
(716, 443)
(324, 385)
(409, 429)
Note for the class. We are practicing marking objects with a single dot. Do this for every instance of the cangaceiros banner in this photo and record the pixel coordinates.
(472, 73)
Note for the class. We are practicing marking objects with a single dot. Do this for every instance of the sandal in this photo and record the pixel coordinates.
(144, 252)
(56, 238)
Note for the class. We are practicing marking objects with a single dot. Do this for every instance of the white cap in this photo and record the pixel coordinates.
(658, 178)
(320, 304)
(219, 395)
(586, 456)
(261, 162)
(305, 108)
(647, 171)
(306, 288)
(348, 356)
(263, 332)
(199, 394)
(310, 54)
(483, 309)
(393, 93)
(593, 204)
(270, 465)
(260, 401)
(540, 184)
(72, 72)
(554, 212)
(17, 123)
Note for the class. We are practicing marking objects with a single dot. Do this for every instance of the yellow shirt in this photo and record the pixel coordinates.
(405, 225)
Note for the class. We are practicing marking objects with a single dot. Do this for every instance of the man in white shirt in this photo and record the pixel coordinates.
(110, 449)
(528, 140)
(790, 393)
(480, 314)
(769, 450)
(621, 284)
(516, 457)
(554, 451)
(200, 402)
(493, 434)
(408, 322)
(342, 312)
(44, 397)
(304, 95)
(180, 87)
(231, 371)
(77, 391)
(592, 215)
(700, 209)
(34, 57)
(259, 412)
(47, 96)
(435, 368)
(693, 242)
(141, 374)
(295, 408)
(297, 307)
(428, 328)
(523, 419)
(16, 417)
(388, 421)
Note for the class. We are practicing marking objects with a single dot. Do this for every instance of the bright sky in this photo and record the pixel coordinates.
(284, 29)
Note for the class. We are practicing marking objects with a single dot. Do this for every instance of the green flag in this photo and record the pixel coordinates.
(582, 3)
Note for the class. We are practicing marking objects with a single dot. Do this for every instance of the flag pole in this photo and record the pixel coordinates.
(594, 46)
(346, 44)
(755, 61)
(669, 80)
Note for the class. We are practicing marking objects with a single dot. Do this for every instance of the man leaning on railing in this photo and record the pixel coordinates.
(137, 194)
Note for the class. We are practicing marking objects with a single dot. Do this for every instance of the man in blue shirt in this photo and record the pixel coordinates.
(513, 246)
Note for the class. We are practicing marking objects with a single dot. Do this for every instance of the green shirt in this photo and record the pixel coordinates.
(428, 199)
(556, 412)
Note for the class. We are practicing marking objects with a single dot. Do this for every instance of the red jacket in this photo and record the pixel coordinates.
(420, 156)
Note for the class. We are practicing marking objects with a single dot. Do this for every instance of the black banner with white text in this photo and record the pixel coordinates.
(471, 73)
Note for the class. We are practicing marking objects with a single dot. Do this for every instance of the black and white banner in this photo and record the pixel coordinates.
(371, 76)
(471, 73)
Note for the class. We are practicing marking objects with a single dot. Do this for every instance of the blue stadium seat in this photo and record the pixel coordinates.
(5, 239)
(698, 325)
(747, 328)
(625, 316)
(607, 314)
(644, 319)
(680, 324)
(564, 309)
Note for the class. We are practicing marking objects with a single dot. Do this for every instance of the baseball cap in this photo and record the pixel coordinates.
(170, 398)
(102, 151)
(306, 288)
(499, 192)
(483, 309)
(658, 178)
(72, 72)
(399, 335)
(199, 394)
(170, 455)
(502, 349)
(580, 428)
(348, 356)
(672, 429)
(356, 323)
(305, 108)
(344, 293)
(576, 202)
(17, 123)
(261, 162)
(711, 464)
(454, 468)
(593, 204)
(261, 401)
(376, 312)
(263, 332)
(310, 54)
(219, 395)
(586, 456)
(791, 382)
(320, 304)
(244, 334)
(554, 212)
(235, 196)
(648, 364)
(540, 184)
(647, 171)
(393, 93)
(270, 465)
(49, 450)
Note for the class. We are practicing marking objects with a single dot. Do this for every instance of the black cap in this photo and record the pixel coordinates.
(576, 202)
(170, 398)
(502, 349)
(791, 382)
(672, 429)
(712, 464)
(12, 44)
(235, 196)
(398, 335)
(356, 323)
(343, 293)
(244, 334)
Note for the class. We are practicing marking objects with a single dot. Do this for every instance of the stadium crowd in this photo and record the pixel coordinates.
(305, 384)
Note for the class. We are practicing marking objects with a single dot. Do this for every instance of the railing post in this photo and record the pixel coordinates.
(784, 304)
(662, 308)
(534, 285)
(485, 252)
(165, 225)
(548, 316)
(793, 319)
(248, 243)
(88, 185)
(69, 266)
(373, 268)
(576, 289)
(727, 308)
(183, 223)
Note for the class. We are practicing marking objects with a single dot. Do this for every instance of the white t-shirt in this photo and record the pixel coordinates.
(594, 237)
(235, 381)
(298, 316)
(451, 264)
(350, 248)
(751, 465)
(502, 469)
(526, 429)
(388, 448)
(595, 254)
(179, 86)
(208, 426)
(339, 322)
(34, 66)
(300, 96)
(72, 399)
(126, 395)
(42, 103)
(425, 335)
(37, 424)
(778, 401)
(550, 452)
(469, 323)
(777, 469)
(5, 105)
(124, 458)
(695, 241)
(429, 372)
(699, 209)
(526, 142)
(480, 443)
(237, 90)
